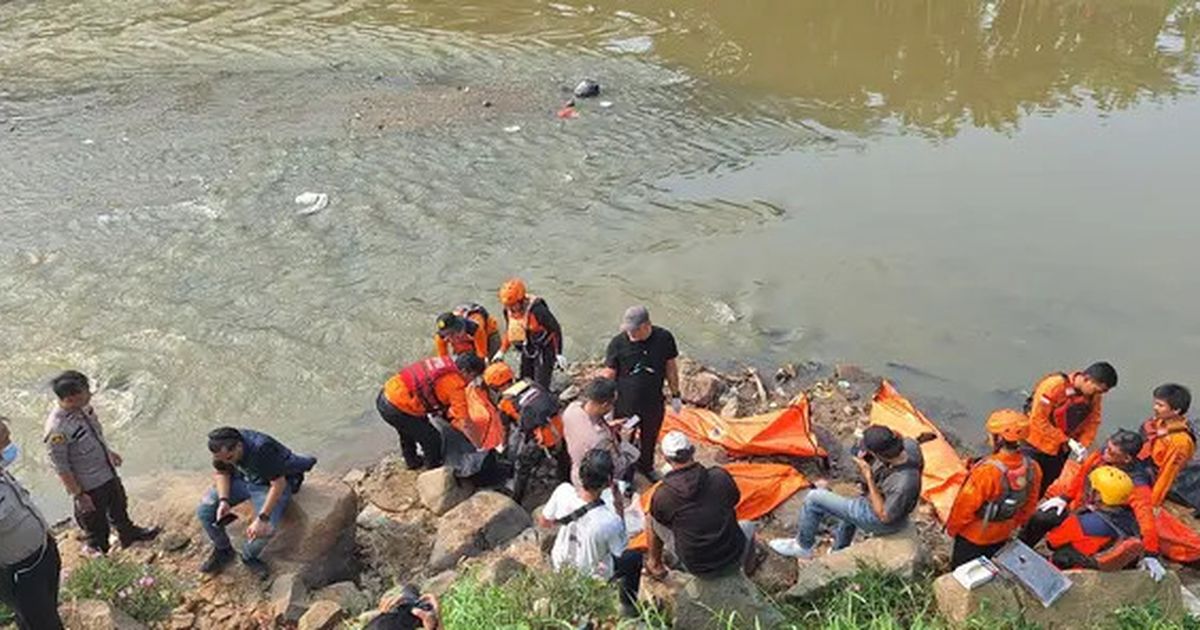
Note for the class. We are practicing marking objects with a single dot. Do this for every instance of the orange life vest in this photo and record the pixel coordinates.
(1069, 413)
(420, 378)
(1110, 550)
(524, 330)
(1152, 434)
(478, 314)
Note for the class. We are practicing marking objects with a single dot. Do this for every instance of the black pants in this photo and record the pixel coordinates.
(30, 588)
(111, 506)
(1040, 524)
(413, 430)
(965, 551)
(1051, 465)
(539, 367)
(628, 569)
(651, 423)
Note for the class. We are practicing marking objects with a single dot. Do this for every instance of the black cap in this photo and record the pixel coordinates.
(448, 323)
(882, 441)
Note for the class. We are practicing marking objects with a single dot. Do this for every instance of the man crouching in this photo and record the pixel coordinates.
(254, 466)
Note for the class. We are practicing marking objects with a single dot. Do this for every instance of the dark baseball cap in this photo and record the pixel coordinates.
(634, 317)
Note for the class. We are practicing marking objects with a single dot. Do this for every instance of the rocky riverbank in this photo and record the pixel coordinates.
(348, 540)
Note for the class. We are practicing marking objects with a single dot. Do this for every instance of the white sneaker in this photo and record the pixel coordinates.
(789, 547)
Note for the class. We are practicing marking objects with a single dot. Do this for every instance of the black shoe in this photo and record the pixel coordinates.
(217, 561)
(416, 463)
(139, 534)
(257, 568)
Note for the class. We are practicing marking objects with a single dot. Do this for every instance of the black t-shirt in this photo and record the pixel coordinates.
(698, 505)
(641, 368)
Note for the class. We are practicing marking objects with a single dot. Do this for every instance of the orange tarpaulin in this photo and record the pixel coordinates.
(784, 432)
(763, 488)
(484, 428)
(945, 471)
(1176, 540)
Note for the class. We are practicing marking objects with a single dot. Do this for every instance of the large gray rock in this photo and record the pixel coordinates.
(485, 521)
(696, 603)
(900, 553)
(439, 490)
(90, 614)
(701, 389)
(1093, 597)
(346, 595)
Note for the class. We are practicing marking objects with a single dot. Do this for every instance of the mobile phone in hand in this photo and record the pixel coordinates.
(226, 520)
(630, 422)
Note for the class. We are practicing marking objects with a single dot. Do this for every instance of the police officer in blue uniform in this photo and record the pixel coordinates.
(249, 466)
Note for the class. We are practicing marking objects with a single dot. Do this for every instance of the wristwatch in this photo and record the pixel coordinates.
(264, 517)
(223, 500)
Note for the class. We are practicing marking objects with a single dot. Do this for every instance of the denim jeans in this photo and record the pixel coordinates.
(851, 514)
(240, 491)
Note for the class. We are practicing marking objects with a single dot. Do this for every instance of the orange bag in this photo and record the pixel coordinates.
(784, 432)
(763, 487)
(945, 471)
(1176, 541)
(484, 428)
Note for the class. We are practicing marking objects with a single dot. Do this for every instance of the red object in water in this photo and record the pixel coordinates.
(568, 112)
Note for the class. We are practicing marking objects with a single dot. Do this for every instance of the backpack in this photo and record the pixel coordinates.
(1006, 506)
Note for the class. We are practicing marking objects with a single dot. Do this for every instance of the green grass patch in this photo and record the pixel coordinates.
(872, 600)
(6, 615)
(142, 592)
(532, 601)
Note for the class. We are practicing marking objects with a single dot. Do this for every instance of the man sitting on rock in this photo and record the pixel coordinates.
(891, 469)
(255, 466)
(698, 506)
(592, 537)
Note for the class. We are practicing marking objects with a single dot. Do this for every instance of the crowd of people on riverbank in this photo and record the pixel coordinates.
(1046, 478)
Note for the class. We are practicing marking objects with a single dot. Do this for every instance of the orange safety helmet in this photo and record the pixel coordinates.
(1009, 425)
(497, 375)
(512, 292)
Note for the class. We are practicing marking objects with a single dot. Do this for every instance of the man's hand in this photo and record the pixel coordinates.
(1152, 566)
(430, 619)
(821, 484)
(676, 404)
(654, 569)
(864, 467)
(1077, 449)
(1055, 504)
(115, 458)
(499, 356)
(561, 362)
(84, 503)
(223, 509)
(258, 529)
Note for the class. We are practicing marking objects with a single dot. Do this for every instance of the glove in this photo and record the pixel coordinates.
(1155, 568)
(498, 356)
(561, 362)
(1077, 449)
(1056, 505)
(676, 404)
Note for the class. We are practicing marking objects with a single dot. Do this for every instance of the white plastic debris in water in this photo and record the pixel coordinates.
(606, 104)
(512, 128)
(638, 45)
(312, 202)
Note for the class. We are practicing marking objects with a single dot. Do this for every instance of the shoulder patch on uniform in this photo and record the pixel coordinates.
(56, 438)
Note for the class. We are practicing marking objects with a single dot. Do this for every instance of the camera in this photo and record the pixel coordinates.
(400, 615)
(858, 450)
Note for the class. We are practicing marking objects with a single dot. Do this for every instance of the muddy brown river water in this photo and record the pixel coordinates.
(961, 195)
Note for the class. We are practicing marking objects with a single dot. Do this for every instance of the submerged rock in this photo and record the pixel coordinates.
(587, 88)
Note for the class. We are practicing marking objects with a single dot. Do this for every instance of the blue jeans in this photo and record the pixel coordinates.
(239, 491)
(851, 514)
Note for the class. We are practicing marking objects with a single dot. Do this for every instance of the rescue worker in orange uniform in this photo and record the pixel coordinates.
(1000, 494)
(468, 328)
(1070, 493)
(1103, 534)
(535, 427)
(533, 331)
(1064, 416)
(433, 386)
(1170, 442)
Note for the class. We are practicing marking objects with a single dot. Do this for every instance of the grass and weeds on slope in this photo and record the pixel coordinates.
(871, 600)
(140, 591)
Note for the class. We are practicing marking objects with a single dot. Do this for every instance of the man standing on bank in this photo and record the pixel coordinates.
(88, 467)
(640, 358)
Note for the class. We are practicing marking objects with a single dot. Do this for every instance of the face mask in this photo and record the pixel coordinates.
(9, 455)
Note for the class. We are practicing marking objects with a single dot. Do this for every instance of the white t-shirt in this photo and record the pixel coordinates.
(590, 542)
